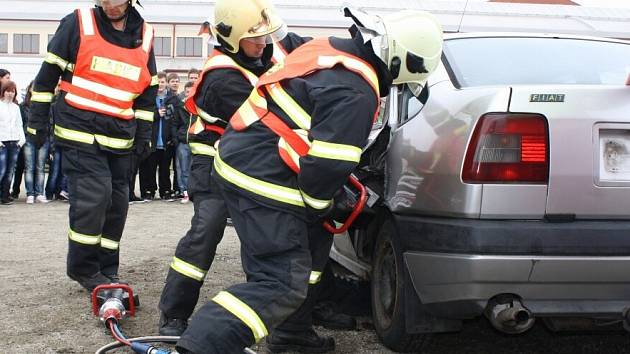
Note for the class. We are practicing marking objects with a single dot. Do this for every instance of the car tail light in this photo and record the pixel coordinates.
(508, 148)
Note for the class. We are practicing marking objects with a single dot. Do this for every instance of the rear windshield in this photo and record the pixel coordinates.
(536, 61)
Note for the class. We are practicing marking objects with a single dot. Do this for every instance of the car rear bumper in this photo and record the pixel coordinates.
(456, 266)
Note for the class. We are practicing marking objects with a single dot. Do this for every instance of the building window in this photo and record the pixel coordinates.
(4, 43)
(188, 47)
(26, 43)
(162, 46)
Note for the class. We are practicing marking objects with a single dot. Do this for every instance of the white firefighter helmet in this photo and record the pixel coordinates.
(255, 20)
(408, 42)
(115, 2)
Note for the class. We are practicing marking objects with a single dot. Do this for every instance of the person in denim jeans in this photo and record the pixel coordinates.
(183, 154)
(34, 160)
(11, 137)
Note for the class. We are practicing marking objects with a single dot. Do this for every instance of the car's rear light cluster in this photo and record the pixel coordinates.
(508, 148)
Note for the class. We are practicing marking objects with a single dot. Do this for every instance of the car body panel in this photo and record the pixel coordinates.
(574, 150)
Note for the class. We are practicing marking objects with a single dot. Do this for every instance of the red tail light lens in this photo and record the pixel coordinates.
(508, 148)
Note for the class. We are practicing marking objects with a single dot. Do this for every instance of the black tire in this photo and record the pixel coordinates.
(387, 286)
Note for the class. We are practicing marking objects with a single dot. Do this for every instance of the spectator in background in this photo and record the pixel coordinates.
(173, 102)
(193, 76)
(19, 166)
(5, 76)
(183, 150)
(11, 137)
(160, 159)
(34, 160)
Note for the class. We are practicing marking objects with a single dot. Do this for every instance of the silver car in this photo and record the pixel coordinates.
(502, 188)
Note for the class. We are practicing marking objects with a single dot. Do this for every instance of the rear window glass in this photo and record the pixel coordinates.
(536, 61)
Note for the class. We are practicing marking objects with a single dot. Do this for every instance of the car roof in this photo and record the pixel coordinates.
(450, 36)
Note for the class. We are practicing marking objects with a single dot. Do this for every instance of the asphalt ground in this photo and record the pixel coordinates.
(42, 311)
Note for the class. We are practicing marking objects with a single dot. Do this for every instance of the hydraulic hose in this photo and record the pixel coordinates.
(148, 339)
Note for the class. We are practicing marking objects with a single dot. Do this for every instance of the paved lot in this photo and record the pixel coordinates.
(42, 311)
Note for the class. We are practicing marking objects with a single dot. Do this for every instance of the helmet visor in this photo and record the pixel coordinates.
(102, 3)
(267, 38)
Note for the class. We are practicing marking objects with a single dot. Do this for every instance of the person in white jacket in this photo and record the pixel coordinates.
(11, 137)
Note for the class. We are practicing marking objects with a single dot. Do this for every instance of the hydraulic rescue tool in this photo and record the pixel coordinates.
(357, 208)
(111, 303)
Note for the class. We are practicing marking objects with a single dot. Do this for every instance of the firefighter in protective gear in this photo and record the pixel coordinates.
(227, 79)
(286, 152)
(105, 59)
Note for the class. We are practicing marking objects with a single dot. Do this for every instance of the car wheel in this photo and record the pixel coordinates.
(387, 286)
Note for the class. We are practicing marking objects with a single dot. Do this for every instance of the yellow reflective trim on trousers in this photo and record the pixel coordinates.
(109, 244)
(114, 143)
(31, 130)
(53, 59)
(334, 151)
(316, 203)
(290, 107)
(43, 97)
(187, 269)
(143, 115)
(256, 186)
(83, 238)
(98, 105)
(74, 135)
(154, 80)
(202, 149)
(315, 277)
(245, 313)
(207, 117)
(350, 63)
(103, 90)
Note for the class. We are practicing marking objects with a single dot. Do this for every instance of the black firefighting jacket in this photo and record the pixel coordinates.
(341, 105)
(222, 92)
(62, 51)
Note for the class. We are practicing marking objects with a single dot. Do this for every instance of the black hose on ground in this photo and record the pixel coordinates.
(149, 339)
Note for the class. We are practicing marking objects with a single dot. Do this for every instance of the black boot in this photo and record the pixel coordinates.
(325, 315)
(172, 326)
(89, 282)
(303, 341)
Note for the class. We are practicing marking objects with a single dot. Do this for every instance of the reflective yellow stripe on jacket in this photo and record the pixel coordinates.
(315, 277)
(245, 313)
(202, 149)
(43, 97)
(188, 269)
(87, 138)
(265, 189)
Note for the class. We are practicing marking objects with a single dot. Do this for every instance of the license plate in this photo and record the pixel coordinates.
(614, 154)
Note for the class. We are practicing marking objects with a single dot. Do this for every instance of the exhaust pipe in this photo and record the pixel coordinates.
(508, 315)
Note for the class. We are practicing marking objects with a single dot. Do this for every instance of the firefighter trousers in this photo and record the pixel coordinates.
(195, 251)
(277, 262)
(98, 184)
(320, 242)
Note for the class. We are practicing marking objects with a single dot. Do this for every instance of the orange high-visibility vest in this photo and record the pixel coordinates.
(218, 60)
(107, 78)
(315, 55)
